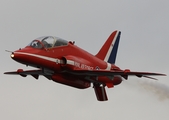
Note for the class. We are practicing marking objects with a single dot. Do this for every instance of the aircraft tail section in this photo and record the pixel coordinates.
(108, 51)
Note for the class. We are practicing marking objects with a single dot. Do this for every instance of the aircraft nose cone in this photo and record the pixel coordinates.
(12, 55)
(15, 56)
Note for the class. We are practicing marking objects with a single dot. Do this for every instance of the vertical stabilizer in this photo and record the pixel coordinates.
(108, 51)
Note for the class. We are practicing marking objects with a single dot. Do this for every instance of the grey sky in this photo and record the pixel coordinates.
(143, 47)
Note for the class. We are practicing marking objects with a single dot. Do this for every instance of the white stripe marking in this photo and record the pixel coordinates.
(108, 66)
(40, 56)
(111, 47)
(70, 62)
(57, 61)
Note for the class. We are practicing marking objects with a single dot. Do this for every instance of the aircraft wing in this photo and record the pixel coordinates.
(34, 73)
(123, 73)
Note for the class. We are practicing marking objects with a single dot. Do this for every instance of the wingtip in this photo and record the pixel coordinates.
(153, 77)
(162, 74)
(150, 77)
(8, 72)
(5, 72)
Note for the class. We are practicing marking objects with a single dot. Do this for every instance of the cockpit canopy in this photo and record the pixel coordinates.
(48, 42)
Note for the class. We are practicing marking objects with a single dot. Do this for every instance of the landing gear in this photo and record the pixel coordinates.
(100, 92)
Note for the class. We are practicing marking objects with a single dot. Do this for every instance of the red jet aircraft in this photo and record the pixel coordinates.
(65, 63)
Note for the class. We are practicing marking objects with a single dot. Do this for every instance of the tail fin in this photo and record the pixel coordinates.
(108, 51)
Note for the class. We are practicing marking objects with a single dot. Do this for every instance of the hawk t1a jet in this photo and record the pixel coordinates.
(65, 63)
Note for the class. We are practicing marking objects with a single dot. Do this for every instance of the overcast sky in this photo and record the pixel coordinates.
(144, 46)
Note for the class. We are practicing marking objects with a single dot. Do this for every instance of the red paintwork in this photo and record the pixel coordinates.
(100, 93)
(71, 81)
(102, 53)
(70, 52)
(73, 66)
